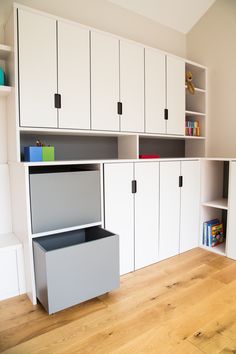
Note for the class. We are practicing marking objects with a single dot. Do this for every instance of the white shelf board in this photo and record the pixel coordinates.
(197, 89)
(5, 51)
(195, 137)
(193, 113)
(220, 249)
(5, 90)
(9, 241)
(221, 203)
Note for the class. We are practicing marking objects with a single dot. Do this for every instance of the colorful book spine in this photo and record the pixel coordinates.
(207, 231)
(192, 128)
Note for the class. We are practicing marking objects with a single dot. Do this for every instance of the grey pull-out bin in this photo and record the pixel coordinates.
(75, 266)
(64, 199)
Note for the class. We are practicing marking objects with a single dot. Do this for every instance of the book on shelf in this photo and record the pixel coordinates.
(192, 128)
(213, 233)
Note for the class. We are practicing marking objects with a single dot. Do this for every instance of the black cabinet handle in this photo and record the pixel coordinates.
(180, 181)
(166, 114)
(134, 186)
(57, 100)
(119, 108)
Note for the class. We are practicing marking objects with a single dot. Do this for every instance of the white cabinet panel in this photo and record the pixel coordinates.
(104, 81)
(231, 234)
(8, 274)
(175, 95)
(155, 89)
(119, 210)
(73, 76)
(37, 69)
(169, 209)
(190, 204)
(5, 203)
(132, 86)
(146, 213)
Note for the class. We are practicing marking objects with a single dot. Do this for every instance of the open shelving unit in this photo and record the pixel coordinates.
(195, 110)
(214, 198)
(5, 52)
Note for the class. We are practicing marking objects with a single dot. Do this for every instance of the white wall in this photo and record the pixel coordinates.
(212, 42)
(109, 17)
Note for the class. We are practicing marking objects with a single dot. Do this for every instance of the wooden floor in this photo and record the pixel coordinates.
(185, 305)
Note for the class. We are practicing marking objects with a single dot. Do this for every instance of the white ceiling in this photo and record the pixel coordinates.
(181, 15)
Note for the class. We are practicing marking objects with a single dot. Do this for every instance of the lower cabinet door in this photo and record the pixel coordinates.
(146, 213)
(190, 204)
(119, 210)
(169, 209)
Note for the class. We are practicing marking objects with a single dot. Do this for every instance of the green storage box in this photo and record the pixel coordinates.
(48, 153)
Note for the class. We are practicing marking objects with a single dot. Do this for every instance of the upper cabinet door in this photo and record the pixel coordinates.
(132, 86)
(104, 82)
(190, 204)
(37, 70)
(169, 209)
(175, 95)
(146, 213)
(73, 76)
(155, 91)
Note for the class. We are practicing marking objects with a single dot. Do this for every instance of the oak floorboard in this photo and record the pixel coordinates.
(185, 305)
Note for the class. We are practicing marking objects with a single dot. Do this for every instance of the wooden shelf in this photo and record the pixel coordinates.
(5, 51)
(220, 249)
(192, 113)
(221, 203)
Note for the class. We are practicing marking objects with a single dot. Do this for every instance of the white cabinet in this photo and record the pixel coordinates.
(231, 236)
(133, 216)
(146, 213)
(37, 70)
(155, 91)
(179, 207)
(175, 99)
(190, 202)
(132, 86)
(169, 209)
(73, 76)
(164, 93)
(119, 210)
(104, 81)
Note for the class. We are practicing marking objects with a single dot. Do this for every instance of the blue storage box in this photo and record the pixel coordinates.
(33, 153)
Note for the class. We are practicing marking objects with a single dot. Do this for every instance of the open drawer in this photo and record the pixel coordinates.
(75, 266)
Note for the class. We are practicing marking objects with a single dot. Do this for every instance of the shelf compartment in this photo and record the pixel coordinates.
(219, 249)
(199, 75)
(221, 203)
(196, 102)
(5, 51)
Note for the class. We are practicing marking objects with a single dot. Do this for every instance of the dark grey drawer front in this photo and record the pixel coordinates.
(67, 276)
(65, 199)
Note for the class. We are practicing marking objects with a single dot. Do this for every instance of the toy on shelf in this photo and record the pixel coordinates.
(40, 152)
(188, 81)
